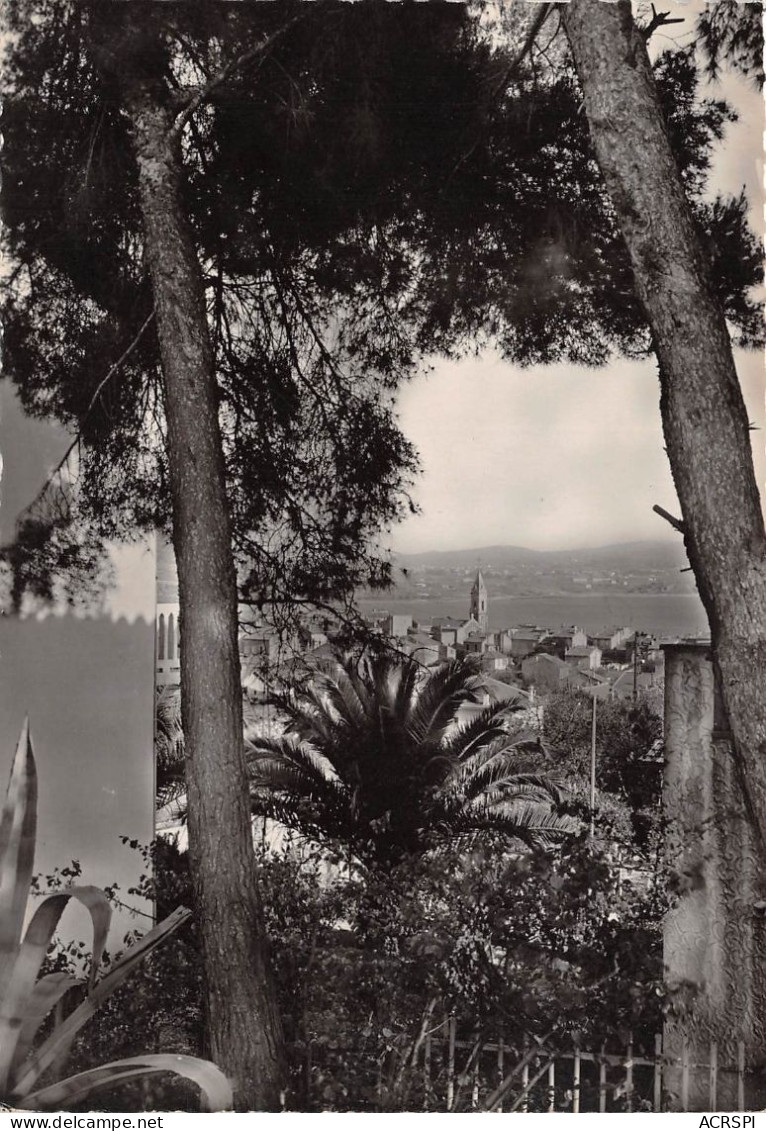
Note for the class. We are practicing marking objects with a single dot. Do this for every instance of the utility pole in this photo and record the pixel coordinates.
(638, 636)
(593, 771)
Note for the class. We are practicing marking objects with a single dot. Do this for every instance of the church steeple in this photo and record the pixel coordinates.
(479, 603)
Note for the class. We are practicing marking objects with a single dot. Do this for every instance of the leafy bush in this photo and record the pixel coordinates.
(557, 944)
(626, 734)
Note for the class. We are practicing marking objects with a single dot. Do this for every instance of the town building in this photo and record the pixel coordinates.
(546, 672)
(611, 639)
(397, 625)
(524, 640)
(563, 640)
(583, 656)
(422, 647)
(475, 643)
(471, 636)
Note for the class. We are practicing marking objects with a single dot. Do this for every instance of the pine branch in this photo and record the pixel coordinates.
(91, 405)
(529, 42)
(259, 53)
(510, 71)
(117, 365)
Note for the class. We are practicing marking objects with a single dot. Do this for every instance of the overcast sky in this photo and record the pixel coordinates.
(562, 457)
(548, 458)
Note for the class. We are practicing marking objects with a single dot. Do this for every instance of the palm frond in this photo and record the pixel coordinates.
(341, 696)
(440, 698)
(265, 754)
(313, 819)
(294, 783)
(307, 713)
(534, 823)
(405, 681)
(517, 785)
(463, 738)
(494, 764)
(514, 743)
(169, 748)
(286, 781)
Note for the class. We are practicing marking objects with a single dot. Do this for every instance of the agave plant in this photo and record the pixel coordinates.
(27, 999)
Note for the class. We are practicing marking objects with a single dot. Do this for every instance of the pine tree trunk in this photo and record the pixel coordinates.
(703, 413)
(244, 1027)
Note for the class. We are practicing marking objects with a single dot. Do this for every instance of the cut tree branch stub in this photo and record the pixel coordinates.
(676, 523)
(659, 19)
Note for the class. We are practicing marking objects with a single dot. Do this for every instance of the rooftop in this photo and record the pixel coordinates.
(506, 692)
(546, 658)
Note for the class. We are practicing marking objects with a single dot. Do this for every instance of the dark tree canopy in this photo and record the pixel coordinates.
(376, 185)
(731, 34)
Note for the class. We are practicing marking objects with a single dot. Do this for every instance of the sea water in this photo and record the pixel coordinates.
(664, 614)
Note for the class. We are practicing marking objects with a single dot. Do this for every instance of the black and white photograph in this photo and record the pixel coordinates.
(382, 558)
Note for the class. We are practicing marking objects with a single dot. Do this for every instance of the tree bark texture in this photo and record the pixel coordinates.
(714, 935)
(244, 1026)
(703, 413)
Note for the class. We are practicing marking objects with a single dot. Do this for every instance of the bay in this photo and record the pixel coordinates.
(663, 614)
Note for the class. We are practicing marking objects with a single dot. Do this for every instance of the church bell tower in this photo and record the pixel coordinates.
(479, 602)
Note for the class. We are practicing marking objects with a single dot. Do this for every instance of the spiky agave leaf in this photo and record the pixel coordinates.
(214, 1086)
(14, 1005)
(44, 996)
(18, 830)
(25, 1001)
(38, 1062)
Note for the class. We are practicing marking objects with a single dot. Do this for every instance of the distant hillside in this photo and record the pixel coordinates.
(617, 556)
(634, 567)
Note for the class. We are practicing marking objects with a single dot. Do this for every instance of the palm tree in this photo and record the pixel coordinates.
(374, 755)
(169, 753)
(170, 786)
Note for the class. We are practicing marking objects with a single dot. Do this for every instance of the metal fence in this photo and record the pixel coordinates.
(440, 1070)
(553, 1079)
(543, 1078)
